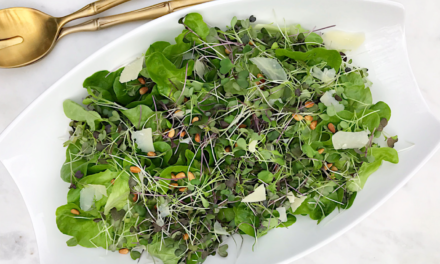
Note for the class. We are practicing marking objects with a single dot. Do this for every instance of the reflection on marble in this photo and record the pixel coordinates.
(403, 230)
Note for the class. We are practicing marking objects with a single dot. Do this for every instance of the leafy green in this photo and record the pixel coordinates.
(175, 52)
(195, 22)
(384, 110)
(314, 56)
(72, 164)
(245, 219)
(265, 176)
(158, 46)
(86, 232)
(119, 196)
(379, 154)
(123, 92)
(226, 66)
(102, 178)
(102, 82)
(76, 112)
(138, 115)
(165, 74)
(319, 207)
(164, 252)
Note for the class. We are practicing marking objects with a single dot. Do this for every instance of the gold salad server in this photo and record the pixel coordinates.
(27, 35)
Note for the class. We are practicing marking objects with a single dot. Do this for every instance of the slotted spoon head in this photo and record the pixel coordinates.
(26, 35)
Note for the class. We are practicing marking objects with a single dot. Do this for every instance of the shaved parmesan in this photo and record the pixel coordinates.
(163, 210)
(349, 140)
(283, 215)
(91, 193)
(200, 68)
(179, 114)
(341, 40)
(186, 140)
(160, 222)
(291, 197)
(257, 196)
(253, 145)
(328, 100)
(144, 139)
(271, 68)
(325, 76)
(218, 229)
(297, 203)
(132, 70)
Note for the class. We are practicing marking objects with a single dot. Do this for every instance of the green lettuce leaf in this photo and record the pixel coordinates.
(163, 251)
(379, 154)
(314, 56)
(119, 195)
(86, 232)
(76, 112)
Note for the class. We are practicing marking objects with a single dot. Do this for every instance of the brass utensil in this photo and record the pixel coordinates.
(27, 35)
(146, 13)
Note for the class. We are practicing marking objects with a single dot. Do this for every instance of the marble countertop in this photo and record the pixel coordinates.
(403, 230)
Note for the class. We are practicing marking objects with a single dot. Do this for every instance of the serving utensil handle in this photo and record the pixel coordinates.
(146, 13)
(91, 9)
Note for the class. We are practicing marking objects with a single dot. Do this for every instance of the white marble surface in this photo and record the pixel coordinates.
(404, 230)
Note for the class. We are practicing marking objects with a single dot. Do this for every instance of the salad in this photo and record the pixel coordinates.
(235, 131)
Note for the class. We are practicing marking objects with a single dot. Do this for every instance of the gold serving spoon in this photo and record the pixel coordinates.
(27, 35)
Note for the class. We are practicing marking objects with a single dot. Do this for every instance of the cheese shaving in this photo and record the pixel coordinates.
(257, 196)
(283, 215)
(132, 70)
(350, 140)
(144, 139)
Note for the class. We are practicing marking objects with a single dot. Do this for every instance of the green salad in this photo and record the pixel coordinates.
(235, 131)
